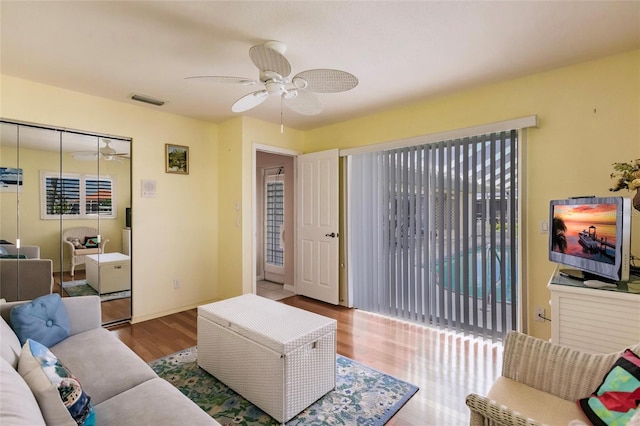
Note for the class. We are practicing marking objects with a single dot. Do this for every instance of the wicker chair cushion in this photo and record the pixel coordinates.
(82, 252)
(535, 404)
(615, 400)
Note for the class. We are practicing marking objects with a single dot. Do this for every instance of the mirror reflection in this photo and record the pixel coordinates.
(67, 223)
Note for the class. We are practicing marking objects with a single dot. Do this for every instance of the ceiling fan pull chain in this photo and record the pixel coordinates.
(281, 122)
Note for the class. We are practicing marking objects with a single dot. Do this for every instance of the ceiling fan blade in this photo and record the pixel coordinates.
(303, 102)
(325, 80)
(224, 79)
(249, 101)
(267, 59)
(85, 155)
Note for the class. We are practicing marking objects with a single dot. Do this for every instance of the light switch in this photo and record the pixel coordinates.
(544, 227)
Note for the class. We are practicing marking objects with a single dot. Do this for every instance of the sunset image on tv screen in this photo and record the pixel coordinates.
(587, 230)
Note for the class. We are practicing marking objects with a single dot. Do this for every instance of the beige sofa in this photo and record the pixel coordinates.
(540, 384)
(25, 279)
(124, 390)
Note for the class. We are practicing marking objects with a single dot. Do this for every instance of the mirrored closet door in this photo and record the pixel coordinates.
(65, 208)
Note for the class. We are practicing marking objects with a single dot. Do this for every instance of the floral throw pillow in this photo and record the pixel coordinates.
(59, 394)
(616, 400)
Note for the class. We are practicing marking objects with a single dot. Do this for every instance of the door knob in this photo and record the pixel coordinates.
(332, 235)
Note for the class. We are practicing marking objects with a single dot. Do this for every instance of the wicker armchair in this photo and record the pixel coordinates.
(545, 368)
(77, 254)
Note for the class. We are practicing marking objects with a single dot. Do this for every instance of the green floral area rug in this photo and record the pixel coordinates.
(81, 288)
(363, 396)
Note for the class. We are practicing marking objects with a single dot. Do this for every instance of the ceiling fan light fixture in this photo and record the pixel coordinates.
(290, 94)
(107, 150)
(300, 82)
(274, 88)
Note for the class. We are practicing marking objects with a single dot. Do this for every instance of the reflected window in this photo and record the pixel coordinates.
(79, 196)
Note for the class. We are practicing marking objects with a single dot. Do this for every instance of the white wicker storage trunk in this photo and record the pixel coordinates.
(279, 357)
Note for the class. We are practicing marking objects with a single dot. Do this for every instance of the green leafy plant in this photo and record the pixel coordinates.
(627, 175)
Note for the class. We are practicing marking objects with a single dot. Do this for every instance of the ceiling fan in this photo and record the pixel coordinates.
(297, 93)
(105, 153)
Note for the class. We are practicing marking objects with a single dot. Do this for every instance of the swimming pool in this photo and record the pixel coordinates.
(475, 263)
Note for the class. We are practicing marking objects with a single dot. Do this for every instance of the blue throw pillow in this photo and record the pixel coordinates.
(43, 319)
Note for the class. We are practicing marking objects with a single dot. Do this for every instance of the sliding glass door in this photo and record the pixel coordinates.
(433, 233)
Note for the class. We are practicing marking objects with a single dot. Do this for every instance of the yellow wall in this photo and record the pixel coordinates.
(175, 234)
(237, 140)
(230, 208)
(589, 117)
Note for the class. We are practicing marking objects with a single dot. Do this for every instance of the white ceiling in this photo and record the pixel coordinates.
(400, 51)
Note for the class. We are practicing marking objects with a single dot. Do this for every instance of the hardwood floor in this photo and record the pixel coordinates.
(446, 367)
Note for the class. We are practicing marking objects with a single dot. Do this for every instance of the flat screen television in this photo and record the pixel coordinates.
(592, 235)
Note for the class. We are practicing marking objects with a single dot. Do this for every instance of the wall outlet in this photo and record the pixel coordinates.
(176, 284)
(540, 314)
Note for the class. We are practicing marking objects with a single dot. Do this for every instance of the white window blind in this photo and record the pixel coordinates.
(432, 233)
(274, 221)
(78, 196)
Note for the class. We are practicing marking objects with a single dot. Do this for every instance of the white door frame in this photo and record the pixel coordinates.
(272, 150)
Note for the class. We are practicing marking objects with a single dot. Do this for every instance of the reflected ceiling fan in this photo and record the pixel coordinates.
(105, 153)
(297, 93)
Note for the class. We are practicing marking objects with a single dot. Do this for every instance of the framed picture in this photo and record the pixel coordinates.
(10, 179)
(176, 159)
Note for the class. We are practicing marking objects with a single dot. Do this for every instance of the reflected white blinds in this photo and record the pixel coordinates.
(432, 233)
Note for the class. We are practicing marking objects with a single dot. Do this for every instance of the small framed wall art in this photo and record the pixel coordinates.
(10, 179)
(176, 159)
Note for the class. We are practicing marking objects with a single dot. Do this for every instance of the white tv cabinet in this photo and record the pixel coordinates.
(597, 320)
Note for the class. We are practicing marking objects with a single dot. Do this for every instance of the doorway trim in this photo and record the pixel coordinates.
(254, 187)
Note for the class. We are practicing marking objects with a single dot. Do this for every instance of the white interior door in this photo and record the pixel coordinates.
(317, 226)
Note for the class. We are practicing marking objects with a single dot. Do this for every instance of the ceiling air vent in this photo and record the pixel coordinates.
(147, 100)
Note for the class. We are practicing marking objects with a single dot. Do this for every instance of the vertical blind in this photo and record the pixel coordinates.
(432, 233)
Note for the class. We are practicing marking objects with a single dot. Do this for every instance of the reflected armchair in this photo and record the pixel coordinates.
(75, 240)
(25, 277)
